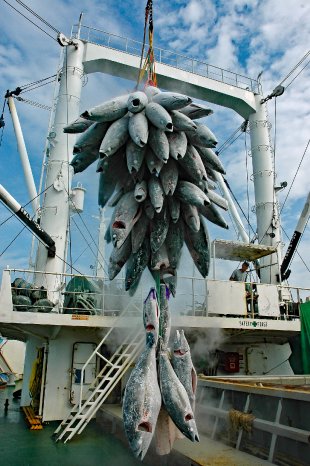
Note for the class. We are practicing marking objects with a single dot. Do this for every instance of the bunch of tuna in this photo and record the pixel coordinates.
(159, 397)
(156, 167)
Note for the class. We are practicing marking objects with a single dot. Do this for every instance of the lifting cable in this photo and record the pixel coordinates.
(149, 62)
(307, 145)
(279, 89)
(32, 22)
(56, 255)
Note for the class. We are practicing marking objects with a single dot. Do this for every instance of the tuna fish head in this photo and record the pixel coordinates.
(180, 345)
(151, 317)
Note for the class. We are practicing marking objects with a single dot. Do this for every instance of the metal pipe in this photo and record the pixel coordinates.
(301, 225)
(23, 155)
(23, 215)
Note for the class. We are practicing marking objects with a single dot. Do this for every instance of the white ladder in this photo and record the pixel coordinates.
(103, 384)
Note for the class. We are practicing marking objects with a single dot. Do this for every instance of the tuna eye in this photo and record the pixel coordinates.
(136, 102)
(188, 417)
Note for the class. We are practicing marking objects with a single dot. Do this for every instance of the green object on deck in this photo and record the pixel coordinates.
(305, 336)
(83, 296)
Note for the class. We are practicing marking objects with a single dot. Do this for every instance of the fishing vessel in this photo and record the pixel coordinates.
(83, 332)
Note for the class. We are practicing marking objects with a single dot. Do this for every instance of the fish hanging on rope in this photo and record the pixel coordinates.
(157, 170)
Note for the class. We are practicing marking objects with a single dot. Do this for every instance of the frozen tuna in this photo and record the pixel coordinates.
(138, 129)
(78, 126)
(183, 366)
(137, 101)
(172, 100)
(108, 111)
(115, 137)
(142, 401)
(158, 116)
(125, 215)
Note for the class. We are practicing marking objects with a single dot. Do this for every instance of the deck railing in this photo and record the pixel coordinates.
(90, 295)
(166, 57)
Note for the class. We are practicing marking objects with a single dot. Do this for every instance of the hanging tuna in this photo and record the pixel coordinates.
(156, 167)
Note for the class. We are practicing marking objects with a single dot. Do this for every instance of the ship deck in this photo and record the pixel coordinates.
(21, 446)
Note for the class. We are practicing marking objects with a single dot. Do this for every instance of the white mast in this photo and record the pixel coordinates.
(266, 205)
(55, 210)
(23, 155)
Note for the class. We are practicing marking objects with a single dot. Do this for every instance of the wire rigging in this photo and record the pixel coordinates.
(26, 17)
(37, 16)
(290, 188)
(34, 104)
(294, 68)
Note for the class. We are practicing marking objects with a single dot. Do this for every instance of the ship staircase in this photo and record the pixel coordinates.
(107, 378)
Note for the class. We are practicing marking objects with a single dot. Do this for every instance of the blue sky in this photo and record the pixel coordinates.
(246, 37)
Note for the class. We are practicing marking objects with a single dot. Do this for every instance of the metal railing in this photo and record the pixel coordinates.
(166, 57)
(97, 296)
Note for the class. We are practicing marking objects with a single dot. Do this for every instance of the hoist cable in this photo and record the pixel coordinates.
(295, 175)
(37, 16)
(295, 67)
(297, 74)
(36, 25)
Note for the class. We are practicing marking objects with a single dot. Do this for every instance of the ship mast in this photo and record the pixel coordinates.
(56, 205)
(266, 204)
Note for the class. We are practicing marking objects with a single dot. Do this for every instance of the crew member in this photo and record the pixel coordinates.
(240, 275)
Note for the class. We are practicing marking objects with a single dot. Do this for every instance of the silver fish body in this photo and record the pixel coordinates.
(151, 91)
(193, 164)
(202, 136)
(177, 144)
(118, 258)
(174, 242)
(159, 258)
(125, 215)
(156, 193)
(137, 101)
(149, 209)
(151, 314)
(159, 143)
(91, 138)
(174, 208)
(209, 157)
(78, 126)
(190, 193)
(175, 399)
(153, 163)
(138, 232)
(106, 188)
(171, 100)
(142, 401)
(183, 366)
(138, 129)
(136, 264)
(182, 122)
(134, 156)
(218, 200)
(199, 247)
(169, 177)
(165, 321)
(140, 192)
(159, 229)
(115, 137)
(108, 111)
(82, 160)
(158, 116)
(195, 110)
(113, 201)
(191, 216)
(213, 215)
